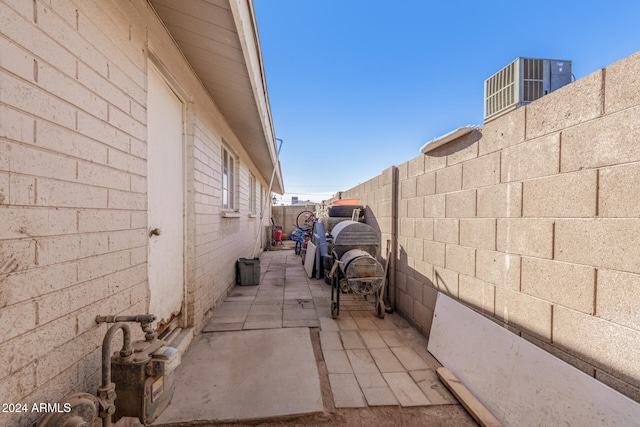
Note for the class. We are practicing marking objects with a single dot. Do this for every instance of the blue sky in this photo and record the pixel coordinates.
(357, 86)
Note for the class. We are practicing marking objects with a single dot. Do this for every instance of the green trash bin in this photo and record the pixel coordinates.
(248, 270)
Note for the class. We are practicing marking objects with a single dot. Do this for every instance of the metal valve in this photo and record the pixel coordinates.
(154, 232)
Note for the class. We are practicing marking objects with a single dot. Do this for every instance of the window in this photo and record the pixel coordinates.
(228, 180)
(252, 193)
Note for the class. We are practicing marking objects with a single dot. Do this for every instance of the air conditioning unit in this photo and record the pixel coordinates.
(521, 82)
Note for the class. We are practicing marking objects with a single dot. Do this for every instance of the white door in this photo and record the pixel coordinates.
(165, 192)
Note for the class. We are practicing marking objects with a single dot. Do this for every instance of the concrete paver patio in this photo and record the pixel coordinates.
(255, 357)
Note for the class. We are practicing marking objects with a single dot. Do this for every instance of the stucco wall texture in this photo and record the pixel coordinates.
(73, 219)
(534, 221)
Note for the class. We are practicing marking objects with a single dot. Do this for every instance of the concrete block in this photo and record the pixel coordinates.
(618, 298)
(41, 281)
(449, 179)
(69, 142)
(499, 268)
(446, 230)
(434, 253)
(477, 294)
(67, 194)
(401, 281)
(481, 172)
(16, 60)
(570, 195)
(433, 162)
(407, 227)
(461, 259)
(604, 243)
(415, 207)
(69, 89)
(405, 303)
(500, 201)
(623, 387)
(19, 255)
(18, 385)
(103, 176)
(127, 162)
(4, 188)
(30, 160)
(461, 204)
(17, 319)
(478, 233)
(434, 206)
(422, 315)
(429, 295)
(415, 166)
(19, 351)
(426, 184)
(599, 342)
(95, 220)
(414, 288)
(526, 236)
(424, 228)
(461, 149)
(622, 84)
(31, 99)
(568, 106)
(415, 249)
(423, 271)
(608, 141)
(446, 281)
(408, 188)
(531, 159)
(386, 178)
(502, 132)
(17, 222)
(102, 265)
(616, 191)
(22, 190)
(524, 312)
(569, 285)
(127, 200)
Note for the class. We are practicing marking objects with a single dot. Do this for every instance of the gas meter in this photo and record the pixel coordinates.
(144, 382)
(144, 379)
(137, 381)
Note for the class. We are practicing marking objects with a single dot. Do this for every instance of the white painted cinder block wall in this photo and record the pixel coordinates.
(533, 220)
(73, 220)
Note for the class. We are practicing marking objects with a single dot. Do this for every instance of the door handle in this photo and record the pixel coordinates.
(154, 232)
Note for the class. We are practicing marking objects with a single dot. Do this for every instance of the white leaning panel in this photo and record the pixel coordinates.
(521, 384)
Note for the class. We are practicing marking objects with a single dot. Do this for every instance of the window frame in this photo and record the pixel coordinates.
(228, 179)
(252, 193)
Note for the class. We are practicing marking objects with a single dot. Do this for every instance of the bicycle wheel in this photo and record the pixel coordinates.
(305, 220)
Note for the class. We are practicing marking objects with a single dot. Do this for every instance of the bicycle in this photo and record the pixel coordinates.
(304, 227)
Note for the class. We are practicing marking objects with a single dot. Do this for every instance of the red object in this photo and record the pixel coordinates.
(346, 202)
(278, 236)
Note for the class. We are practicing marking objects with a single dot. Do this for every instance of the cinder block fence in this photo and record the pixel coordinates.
(532, 220)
